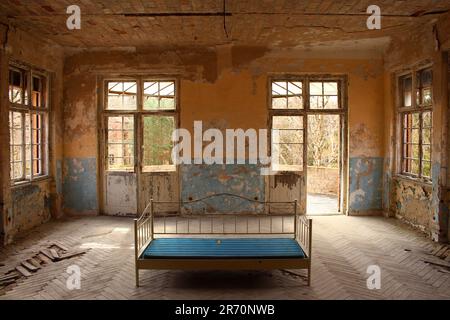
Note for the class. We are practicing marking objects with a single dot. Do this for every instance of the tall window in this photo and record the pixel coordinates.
(415, 112)
(292, 100)
(28, 118)
(145, 105)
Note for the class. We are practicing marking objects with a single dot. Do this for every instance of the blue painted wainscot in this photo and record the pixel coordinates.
(80, 184)
(198, 181)
(366, 185)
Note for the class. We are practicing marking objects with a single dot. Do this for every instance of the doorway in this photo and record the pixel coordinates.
(138, 115)
(324, 159)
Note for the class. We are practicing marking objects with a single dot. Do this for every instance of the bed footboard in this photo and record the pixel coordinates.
(303, 235)
(143, 235)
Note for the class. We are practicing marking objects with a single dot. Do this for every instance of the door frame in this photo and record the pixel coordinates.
(138, 116)
(306, 78)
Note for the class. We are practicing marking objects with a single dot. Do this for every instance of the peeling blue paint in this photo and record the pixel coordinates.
(198, 181)
(387, 184)
(80, 184)
(21, 193)
(366, 184)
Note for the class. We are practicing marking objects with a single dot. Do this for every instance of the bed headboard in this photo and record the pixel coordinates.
(233, 204)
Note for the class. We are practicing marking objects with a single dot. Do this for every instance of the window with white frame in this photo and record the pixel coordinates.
(415, 109)
(28, 123)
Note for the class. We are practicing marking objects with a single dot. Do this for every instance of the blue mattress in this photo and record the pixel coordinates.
(223, 248)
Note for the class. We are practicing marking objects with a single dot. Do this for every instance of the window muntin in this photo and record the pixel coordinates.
(416, 124)
(28, 126)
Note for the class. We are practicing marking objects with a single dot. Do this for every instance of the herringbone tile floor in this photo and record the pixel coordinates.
(343, 248)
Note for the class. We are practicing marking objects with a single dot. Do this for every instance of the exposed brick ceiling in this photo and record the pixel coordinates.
(143, 23)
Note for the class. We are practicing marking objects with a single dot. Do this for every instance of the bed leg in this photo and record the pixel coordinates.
(137, 277)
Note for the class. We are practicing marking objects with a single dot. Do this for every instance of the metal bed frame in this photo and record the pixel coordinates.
(145, 230)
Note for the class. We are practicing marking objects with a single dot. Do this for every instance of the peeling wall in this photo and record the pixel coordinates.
(30, 204)
(366, 185)
(420, 204)
(412, 203)
(225, 87)
(323, 180)
(80, 185)
(199, 181)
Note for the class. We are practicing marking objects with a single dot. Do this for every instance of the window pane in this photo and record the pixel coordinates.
(16, 153)
(426, 136)
(424, 79)
(122, 96)
(415, 136)
(16, 171)
(406, 90)
(426, 152)
(287, 143)
(287, 122)
(323, 95)
(427, 119)
(16, 83)
(158, 143)
(38, 92)
(330, 102)
(315, 88)
(415, 167)
(279, 88)
(287, 95)
(291, 154)
(279, 103)
(159, 95)
(295, 102)
(330, 88)
(120, 150)
(290, 136)
(295, 88)
(426, 169)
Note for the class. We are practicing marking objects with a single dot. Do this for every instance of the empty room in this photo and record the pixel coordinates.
(224, 150)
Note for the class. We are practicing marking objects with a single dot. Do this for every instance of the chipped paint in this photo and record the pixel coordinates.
(30, 206)
(198, 181)
(58, 177)
(80, 185)
(412, 203)
(365, 185)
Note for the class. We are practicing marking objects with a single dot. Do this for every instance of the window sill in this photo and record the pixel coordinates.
(420, 181)
(22, 183)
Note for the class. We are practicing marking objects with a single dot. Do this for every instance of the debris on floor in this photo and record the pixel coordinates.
(442, 252)
(52, 253)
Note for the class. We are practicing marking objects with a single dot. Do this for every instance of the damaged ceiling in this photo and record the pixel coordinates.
(290, 23)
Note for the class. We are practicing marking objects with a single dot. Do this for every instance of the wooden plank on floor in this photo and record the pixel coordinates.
(23, 271)
(28, 265)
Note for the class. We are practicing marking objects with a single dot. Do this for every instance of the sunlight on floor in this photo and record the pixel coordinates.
(319, 204)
